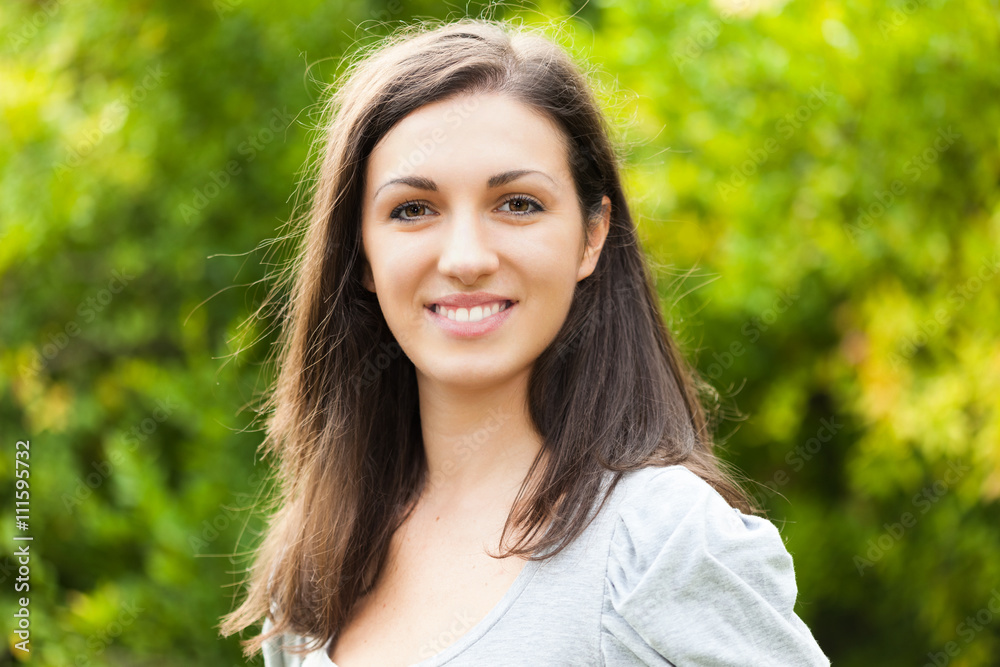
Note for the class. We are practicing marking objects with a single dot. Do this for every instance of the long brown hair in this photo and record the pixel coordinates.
(611, 392)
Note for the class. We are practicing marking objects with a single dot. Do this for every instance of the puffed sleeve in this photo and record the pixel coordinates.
(694, 581)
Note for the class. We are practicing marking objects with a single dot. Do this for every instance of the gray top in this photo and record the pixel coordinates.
(666, 574)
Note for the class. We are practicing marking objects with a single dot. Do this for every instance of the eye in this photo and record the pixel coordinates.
(409, 207)
(518, 205)
(522, 204)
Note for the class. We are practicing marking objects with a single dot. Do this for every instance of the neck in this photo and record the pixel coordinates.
(479, 442)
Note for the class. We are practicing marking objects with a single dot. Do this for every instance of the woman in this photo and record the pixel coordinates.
(474, 355)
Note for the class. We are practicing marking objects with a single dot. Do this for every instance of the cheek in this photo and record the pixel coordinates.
(396, 282)
(400, 270)
(392, 262)
(551, 261)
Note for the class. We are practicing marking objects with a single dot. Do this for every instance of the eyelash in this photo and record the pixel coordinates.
(531, 200)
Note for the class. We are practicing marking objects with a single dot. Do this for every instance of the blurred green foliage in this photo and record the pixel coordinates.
(817, 184)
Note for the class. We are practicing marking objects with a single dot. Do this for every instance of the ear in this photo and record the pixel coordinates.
(592, 250)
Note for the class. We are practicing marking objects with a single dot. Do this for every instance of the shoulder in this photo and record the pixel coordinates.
(672, 506)
(655, 496)
(675, 488)
(699, 581)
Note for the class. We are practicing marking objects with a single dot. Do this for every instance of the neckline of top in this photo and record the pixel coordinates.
(475, 633)
(321, 657)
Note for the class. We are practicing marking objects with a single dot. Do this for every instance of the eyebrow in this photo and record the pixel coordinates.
(494, 181)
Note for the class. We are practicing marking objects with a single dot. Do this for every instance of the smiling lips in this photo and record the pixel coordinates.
(474, 314)
(470, 315)
(470, 307)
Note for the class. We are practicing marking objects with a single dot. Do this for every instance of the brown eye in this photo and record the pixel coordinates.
(521, 206)
(411, 209)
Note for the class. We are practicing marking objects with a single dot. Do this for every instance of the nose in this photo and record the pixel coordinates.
(467, 249)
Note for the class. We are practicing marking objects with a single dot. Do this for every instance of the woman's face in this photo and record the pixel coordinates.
(470, 213)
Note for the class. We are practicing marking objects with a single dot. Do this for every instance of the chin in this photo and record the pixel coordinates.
(467, 371)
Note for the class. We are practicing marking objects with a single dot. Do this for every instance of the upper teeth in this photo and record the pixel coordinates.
(473, 314)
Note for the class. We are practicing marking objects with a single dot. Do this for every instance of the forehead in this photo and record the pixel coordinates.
(471, 134)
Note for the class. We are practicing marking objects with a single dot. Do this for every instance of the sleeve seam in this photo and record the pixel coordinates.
(606, 593)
